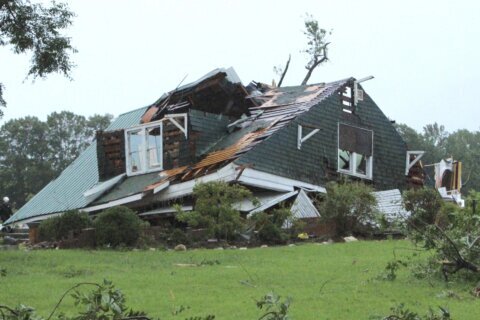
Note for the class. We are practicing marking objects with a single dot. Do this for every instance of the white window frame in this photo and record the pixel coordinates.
(353, 158)
(353, 168)
(144, 159)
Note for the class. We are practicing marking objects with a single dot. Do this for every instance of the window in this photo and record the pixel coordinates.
(144, 148)
(355, 151)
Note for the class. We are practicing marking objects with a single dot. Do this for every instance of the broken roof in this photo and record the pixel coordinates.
(269, 111)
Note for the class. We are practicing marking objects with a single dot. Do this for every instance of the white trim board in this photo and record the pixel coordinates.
(273, 182)
(114, 203)
(101, 187)
(165, 210)
(272, 202)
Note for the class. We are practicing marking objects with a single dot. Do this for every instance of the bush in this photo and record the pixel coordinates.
(424, 204)
(214, 209)
(269, 226)
(64, 226)
(349, 204)
(117, 226)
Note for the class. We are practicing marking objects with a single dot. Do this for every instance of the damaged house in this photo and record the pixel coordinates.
(281, 143)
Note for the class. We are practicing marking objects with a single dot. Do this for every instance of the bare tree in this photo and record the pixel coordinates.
(282, 71)
(316, 46)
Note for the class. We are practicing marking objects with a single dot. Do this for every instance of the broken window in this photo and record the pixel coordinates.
(355, 151)
(144, 146)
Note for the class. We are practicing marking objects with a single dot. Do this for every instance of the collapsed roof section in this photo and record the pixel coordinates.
(219, 92)
(204, 131)
(278, 107)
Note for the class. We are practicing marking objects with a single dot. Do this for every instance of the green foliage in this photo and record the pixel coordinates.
(36, 28)
(453, 233)
(20, 312)
(349, 204)
(400, 312)
(274, 308)
(69, 134)
(34, 152)
(178, 236)
(269, 226)
(104, 302)
(117, 226)
(63, 226)
(316, 45)
(424, 204)
(391, 269)
(214, 209)
(437, 143)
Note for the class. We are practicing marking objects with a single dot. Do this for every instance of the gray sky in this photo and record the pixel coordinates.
(423, 54)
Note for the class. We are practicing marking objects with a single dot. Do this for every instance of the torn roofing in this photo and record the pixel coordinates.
(219, 91)
(280, 107)
(66, 192)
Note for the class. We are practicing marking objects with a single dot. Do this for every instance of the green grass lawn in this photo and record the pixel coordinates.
(338, 281)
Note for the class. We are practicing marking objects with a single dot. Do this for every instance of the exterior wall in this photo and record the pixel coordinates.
(316, 162)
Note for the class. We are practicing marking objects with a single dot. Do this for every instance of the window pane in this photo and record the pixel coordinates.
(361, 164)
(343, 160)
(135, 144)
(154, 149)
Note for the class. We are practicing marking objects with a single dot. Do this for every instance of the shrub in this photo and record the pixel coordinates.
(424, 204)
(349, 204)
(63, 226)
(214, 209)
(117, 226)
(269, 226)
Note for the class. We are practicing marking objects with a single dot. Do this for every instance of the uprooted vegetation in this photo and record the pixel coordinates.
(450, 234)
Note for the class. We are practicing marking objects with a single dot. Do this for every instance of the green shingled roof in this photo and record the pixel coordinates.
(66, 192)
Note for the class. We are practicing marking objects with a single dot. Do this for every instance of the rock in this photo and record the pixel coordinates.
(292, 245)
(350, 239)
(219, 248)
(263, 246)
(152, 249)
(9, 240)
(242, 248)
(180, 247)
(232, 247)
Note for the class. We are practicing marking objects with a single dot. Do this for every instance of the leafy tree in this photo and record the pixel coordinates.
(33, 152)
(316, 46)
(349, 204)
(451, 232)
(36, 28)
(214, 208)
(463, 145)
(98, 122)
(424, 204)
(69, 134)
(24, 158)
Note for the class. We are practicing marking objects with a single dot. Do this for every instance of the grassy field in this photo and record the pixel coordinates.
(338, 281)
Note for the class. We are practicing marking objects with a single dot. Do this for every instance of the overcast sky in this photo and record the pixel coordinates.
(424, 54)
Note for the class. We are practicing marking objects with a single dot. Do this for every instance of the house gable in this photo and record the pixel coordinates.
(317, 159)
